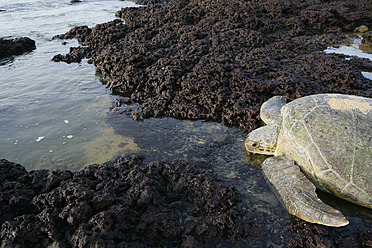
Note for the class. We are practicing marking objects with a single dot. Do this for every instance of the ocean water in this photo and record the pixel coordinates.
(57, 115)
(52, 114)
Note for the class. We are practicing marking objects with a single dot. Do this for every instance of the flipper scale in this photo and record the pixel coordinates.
(298, 193)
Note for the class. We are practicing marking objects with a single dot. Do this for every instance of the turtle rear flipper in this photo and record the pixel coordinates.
(298, 193)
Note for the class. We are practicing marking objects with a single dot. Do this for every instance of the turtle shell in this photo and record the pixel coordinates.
(330, 137)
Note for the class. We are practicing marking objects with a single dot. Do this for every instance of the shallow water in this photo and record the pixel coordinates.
(354, 49)
(57, 116)
(52, 114)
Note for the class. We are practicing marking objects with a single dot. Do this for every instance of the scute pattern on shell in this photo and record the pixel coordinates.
(332, 142)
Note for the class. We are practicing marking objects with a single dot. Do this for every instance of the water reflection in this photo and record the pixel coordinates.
(50, 111)
(356, 48)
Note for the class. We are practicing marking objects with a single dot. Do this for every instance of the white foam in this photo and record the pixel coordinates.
(40, 138)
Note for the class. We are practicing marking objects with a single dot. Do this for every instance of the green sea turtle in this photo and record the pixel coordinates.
(323, 140)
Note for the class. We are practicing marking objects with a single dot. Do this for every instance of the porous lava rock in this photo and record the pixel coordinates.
(75, 55)
(367, 38)
(119, 204)
(304, 234)
(9, 47)
(220, 60)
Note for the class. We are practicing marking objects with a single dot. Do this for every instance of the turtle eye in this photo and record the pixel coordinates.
(255, 144)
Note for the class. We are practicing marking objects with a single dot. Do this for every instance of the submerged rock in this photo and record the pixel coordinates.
(220, 60)
(304, 234)
(127, 203)
(119, 204)
(15, 46)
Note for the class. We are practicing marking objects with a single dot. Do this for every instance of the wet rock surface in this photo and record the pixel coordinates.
(361, 63)
(129, 203)
(75, 55)
(119, 204)
(220, 60)
(9, 47)
(367, 38)
(304, 234)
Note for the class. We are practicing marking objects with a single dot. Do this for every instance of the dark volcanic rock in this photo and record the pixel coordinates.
(362, 63)
(220, 60)
(118, 204)
(304, 234)
(16, 46)
(75, 56)
(367, 38)
(149, 2)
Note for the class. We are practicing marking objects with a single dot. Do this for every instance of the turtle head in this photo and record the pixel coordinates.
(262, 140)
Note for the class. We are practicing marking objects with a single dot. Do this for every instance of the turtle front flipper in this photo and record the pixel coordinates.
(298, 193)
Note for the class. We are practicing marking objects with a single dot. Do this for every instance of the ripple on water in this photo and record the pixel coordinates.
(54, 115)
(39, 95)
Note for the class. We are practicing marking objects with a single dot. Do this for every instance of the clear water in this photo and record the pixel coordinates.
(51, 113)
(354, 49)
(57, 116)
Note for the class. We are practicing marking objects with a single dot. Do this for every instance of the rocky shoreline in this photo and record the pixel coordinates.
(220, 60)
(129, 203)
(215, 60)
(9, 47)
(118, 204)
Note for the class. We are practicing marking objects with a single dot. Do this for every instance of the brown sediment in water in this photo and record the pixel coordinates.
(216, 60)
(107, 144)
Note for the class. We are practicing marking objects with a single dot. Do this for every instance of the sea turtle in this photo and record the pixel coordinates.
(323, 140)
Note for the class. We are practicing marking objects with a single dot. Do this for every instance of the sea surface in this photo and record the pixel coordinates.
(53, 114)
(58, 115)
